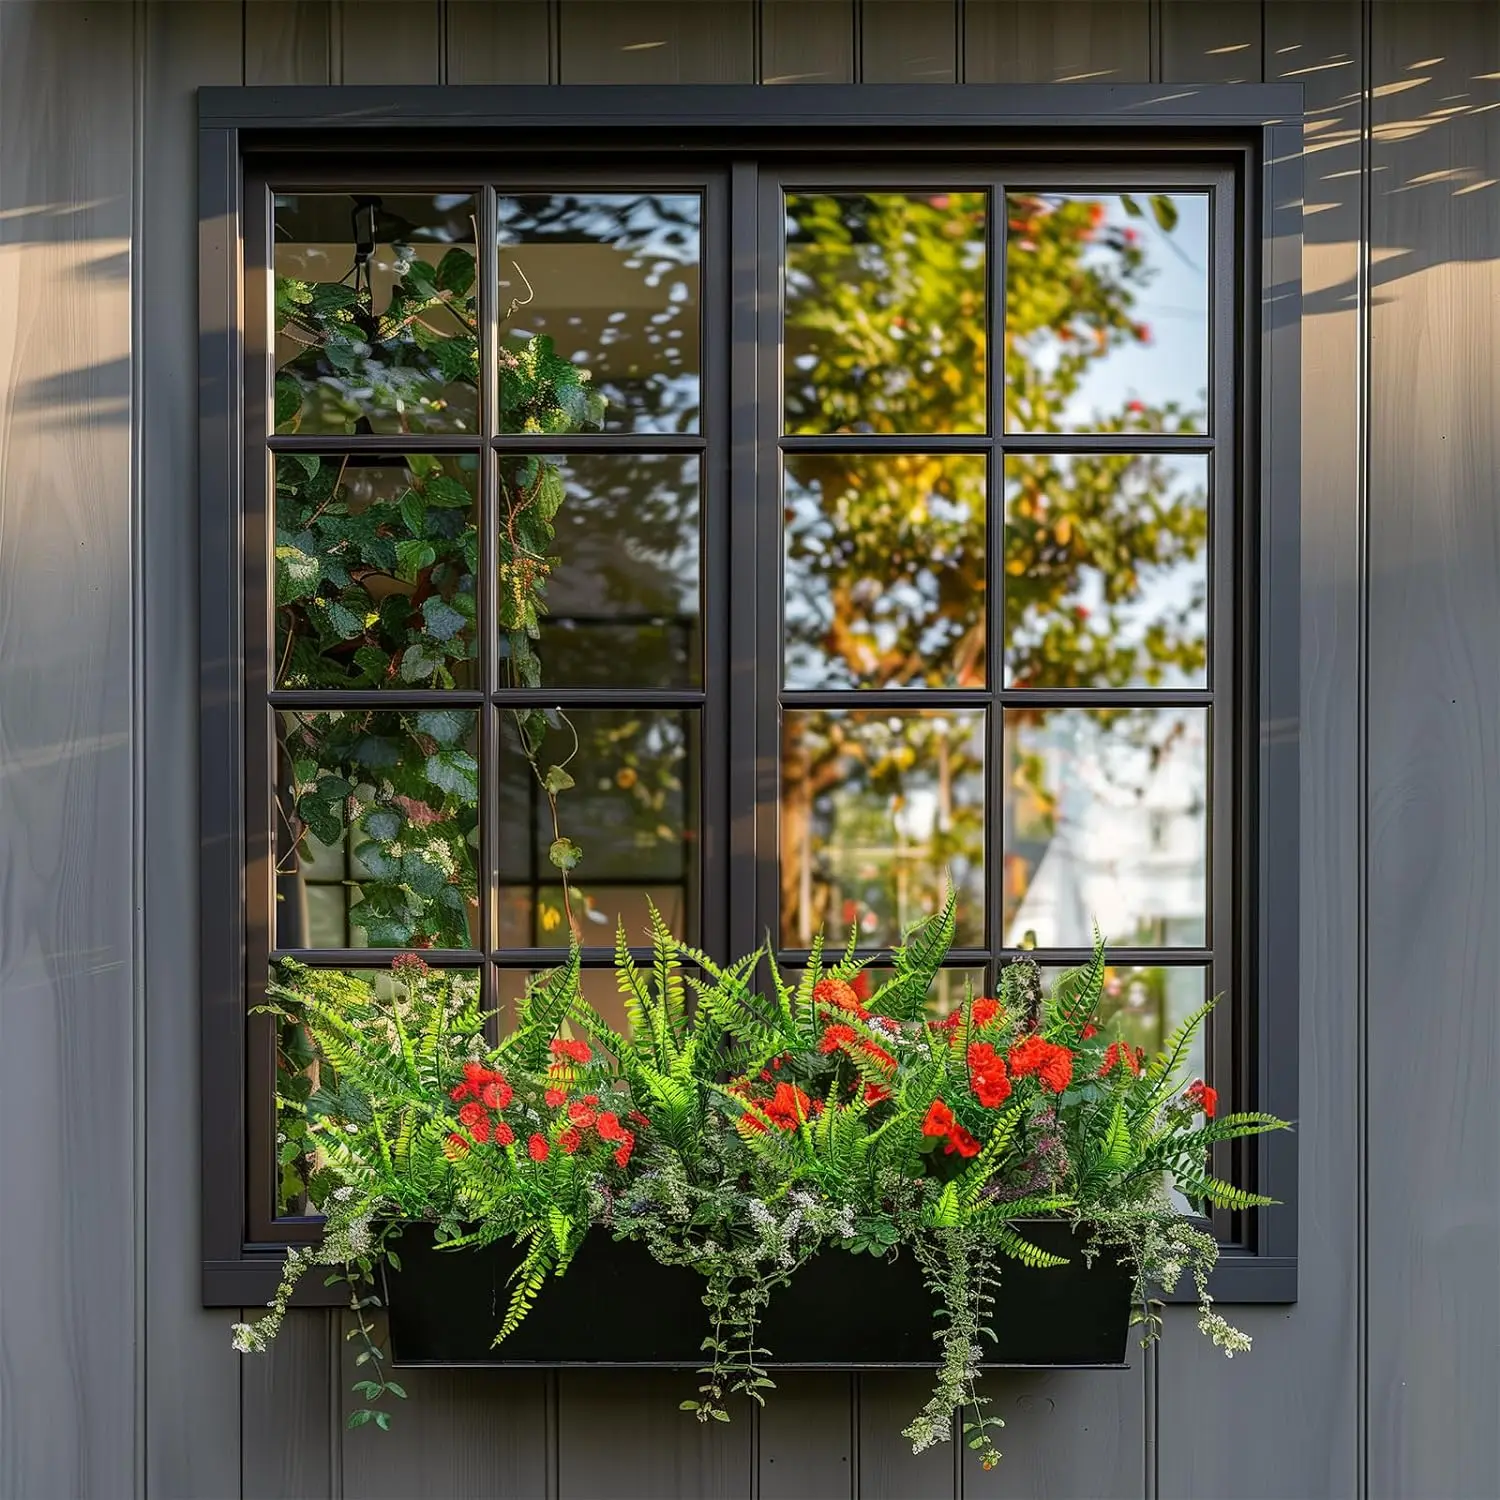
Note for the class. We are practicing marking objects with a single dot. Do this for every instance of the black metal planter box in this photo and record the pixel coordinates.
(617, 1306)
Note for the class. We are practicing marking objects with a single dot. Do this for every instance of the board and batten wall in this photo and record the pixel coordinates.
(1384, 1380)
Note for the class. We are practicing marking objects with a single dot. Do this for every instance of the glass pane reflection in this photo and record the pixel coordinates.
(621, 581)
(885, 570)
(1106, 312)
(632, 811)
(885, 312)
(377, 827)
(606, 284)
(1106, 820)
(877, 811)
(1106, 571)
(375, 325)
(375, 563)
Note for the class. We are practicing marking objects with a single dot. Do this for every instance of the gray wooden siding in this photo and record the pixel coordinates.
(1383, 1380)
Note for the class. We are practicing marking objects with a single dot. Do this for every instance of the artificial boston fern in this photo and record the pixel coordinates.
(740, 1132)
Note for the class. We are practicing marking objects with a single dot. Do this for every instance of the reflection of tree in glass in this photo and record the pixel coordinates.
(892, 274)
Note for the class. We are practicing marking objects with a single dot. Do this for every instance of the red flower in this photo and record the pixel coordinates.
(496, 1094)
(591, 1098)
(409, 966)
(471, 1115)
(860, 984)
(835, 1036)
(950, 1023)
(1118, 1055)
(570, 1140)
(749, 1121)
(939, 1119)
(480, 1129)
(787, 1107)
(537, 1148)
(1205, 1097)
(987, 1076)
(1089, 1031)
(880, 1055)
(639, 1120)
(610, 1128)
(984, 1011)
(581, 1115)
(555, 1097)
(572, 1047)
(504, 1135)
(961, 1141)
(1051, 1063)
(841, 996)
(622, 1155)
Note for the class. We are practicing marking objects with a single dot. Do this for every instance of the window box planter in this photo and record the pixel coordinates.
(617, 1306)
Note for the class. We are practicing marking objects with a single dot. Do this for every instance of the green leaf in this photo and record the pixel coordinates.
(297, 574)
(564, 853)
(419, 661)
(412, 557)
(413, 512)
(446, 492)
(455, 271)
(557, 779)
(443, 621)
(455, 771)
(345, 622)
(445, 725)
(288, 402)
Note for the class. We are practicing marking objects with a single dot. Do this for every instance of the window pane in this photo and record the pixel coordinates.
(885, 570)
(1144, 1005)
(1106, 571)
(1106, 312)
(616, 570)
(597, 985)
(377, 825)
(885, 312)
(308, 1098)
(599, 312)
(375, 321)
(1106, 820)
(878, 810)
(375, 562)
(632, 810)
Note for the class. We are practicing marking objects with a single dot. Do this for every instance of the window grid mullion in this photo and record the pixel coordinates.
(487, 272)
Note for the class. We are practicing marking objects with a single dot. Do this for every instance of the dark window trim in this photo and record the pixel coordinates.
(1255, 128)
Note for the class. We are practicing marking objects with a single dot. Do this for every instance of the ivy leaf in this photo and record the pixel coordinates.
(412, 557)
(421, 876)
(382, 823)
(413, 512)
(344, 621)
(445, 725)
(564, 853)
(297, 574)
(557, 779)
(443, 621)
(288, 403)
(417, 662)
(455, 271)
(455, 772)
(444, 490)
(372, 661)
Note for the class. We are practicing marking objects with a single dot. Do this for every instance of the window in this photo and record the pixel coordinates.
(777, 540)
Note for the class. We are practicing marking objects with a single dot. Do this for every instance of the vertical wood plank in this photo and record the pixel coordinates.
(620, 1436)
(1301, 1381)
(70, 1106)
(1057, 41)
(1433, 1234)
(807, 1439)
(461, 1434)
(1073, 1434)
(499, 41)
(290, 1412)
(658, 41)
(1211, 41)
(909, 41)
(807, 41)
(288, 41)
(389, 41)
(888, 1469)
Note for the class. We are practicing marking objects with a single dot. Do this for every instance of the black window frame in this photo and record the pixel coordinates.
(1248, 139)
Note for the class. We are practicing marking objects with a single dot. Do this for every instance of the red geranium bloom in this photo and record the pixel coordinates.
(787, 1107)
(504, 1135)
(984, 1011)
(1205, 1097)
(840, 995)
(555, 1097)
(497, 1093)
(1119, 1054)
(987, 1076)
(480, 1129)
(471, 1115)
(581, 1115)
(950, 1023)
(939, 1119)
(961, 1141)
(610, 1128)
(572, 1047)
(570, 1140)
(537, 1148)
(835, 1036)
(622, 1155)
(1051, 1063)
(638, 1119)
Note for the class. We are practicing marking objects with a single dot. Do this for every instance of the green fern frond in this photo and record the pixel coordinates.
(1216, 1191)
(1018, 1247)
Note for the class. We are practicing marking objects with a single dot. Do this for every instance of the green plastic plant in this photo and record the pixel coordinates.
(741, 1132)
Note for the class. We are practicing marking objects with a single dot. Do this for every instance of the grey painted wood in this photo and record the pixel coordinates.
(1211, 41)
(1433, 1035)
(807, 43)
(290, 1416)
(1057, 41)
(389, 41)
(806, 1442)
(622, 1437)
(1301, 1379)
(289, 41)
(500, 41)
(888, 1469)
(70, 1077)
(460, 1434)
(658, 41)
(192, 1375)
(908, 41)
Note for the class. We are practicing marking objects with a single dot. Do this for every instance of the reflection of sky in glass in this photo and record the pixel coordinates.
(1170, 596)
(1106, 821)
(1171, 365)
(612, 278)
